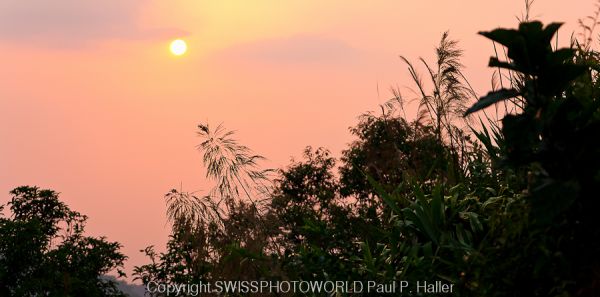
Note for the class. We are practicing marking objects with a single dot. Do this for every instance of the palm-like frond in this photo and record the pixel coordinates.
(234, 169)
(231, 165)
(186, 209)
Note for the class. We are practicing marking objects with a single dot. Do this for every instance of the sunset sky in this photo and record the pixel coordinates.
(93, 104)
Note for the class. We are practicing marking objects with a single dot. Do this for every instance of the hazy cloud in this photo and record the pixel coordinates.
(295, 49)
(67, 23)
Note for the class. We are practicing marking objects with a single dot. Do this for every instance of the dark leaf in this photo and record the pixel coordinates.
(492, 98)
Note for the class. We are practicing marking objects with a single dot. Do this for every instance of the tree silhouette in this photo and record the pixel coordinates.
(43, 250)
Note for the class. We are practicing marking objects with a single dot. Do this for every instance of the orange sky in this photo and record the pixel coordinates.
(93, 105)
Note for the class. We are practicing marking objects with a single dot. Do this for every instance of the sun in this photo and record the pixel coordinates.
(178, 47)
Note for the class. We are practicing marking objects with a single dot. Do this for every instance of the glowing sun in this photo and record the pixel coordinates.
(178, 47)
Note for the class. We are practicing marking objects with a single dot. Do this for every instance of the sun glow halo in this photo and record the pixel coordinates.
(178, 47)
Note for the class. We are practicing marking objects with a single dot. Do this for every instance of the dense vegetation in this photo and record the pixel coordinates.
(43, 250)
(505, 209)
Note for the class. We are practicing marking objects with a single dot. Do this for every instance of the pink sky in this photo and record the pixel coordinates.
(94, 106)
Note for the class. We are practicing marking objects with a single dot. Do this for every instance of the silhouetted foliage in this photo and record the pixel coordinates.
(510, 212)
(554, 137)
(43, 250)
(450, 91)
(225, 234)
(391, 151)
